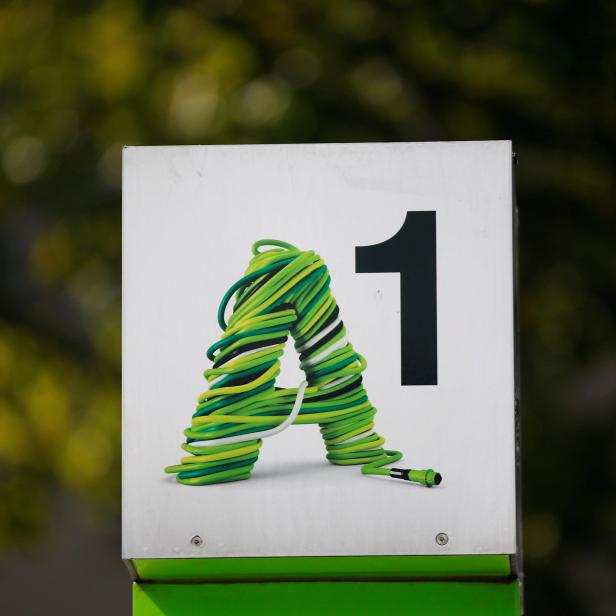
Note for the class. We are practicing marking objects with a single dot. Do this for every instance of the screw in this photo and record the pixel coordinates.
(197, 541)
(442, 539)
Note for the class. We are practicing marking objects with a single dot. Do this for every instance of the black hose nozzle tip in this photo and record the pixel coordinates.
(426, 477)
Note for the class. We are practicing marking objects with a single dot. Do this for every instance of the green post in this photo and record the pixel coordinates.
(426, 598)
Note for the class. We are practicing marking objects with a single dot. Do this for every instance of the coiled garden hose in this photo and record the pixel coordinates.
(284, 291)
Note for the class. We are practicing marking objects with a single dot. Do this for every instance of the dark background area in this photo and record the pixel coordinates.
(80, 79)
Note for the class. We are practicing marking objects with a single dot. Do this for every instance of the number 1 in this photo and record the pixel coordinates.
(412, 253)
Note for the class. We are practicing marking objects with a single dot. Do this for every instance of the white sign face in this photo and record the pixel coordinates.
(417, 238)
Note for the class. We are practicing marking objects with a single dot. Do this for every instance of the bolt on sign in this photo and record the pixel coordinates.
(319, 350)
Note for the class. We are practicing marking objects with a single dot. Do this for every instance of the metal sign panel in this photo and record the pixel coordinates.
(417, 238)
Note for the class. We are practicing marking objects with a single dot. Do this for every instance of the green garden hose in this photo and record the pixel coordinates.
(284, 290)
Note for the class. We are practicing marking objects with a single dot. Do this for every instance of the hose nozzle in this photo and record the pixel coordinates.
(426, 477)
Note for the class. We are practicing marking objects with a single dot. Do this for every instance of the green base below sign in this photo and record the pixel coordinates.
(309, 598)
(322, 568)
(425, 585)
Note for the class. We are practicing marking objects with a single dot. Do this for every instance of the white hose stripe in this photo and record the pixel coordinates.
(335, 382)
(326, 353)
(240, 438)
(330, 328)
(357, 437)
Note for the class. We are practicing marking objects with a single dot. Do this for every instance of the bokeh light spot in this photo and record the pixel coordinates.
(541, 536)
(24, 160)
(261, 101)
(110, 166)
(299, 66)
(87, 456)
(13, 440)
(193, 105)
(48, 409)
(51, 255)
(376, 82)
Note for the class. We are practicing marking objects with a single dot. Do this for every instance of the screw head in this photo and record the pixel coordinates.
(442, 539)
(197, 541)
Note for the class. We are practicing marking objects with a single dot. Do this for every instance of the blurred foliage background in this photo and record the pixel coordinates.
(80, 79)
